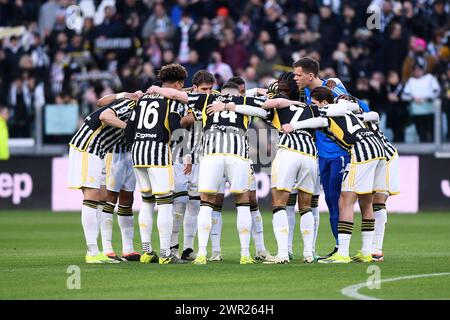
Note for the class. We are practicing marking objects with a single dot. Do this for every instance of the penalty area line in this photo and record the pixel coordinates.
(352, 291)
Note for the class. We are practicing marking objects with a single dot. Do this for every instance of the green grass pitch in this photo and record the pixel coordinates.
(36, 249)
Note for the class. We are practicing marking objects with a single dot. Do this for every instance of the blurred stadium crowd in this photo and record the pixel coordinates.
(52, 52)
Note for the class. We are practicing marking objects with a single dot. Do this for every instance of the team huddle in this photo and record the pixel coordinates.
(183, 146)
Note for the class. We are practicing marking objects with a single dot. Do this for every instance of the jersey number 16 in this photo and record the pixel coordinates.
(149, 114)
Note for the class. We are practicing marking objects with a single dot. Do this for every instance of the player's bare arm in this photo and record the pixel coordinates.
(256, 92)
(312, 123)
(187, 120)
(110, 118)
(279, 103)
(110, 98)
(219, 106)
(169, 93)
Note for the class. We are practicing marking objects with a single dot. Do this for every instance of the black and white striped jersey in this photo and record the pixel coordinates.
(97, 138)
(122, 147)
(299, 140)
(224, 132)
(188, 141)
(151, 126)
(350, 133)
(178, 141)
(389, 149)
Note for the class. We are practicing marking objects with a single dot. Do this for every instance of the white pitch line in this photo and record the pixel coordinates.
(352, 291)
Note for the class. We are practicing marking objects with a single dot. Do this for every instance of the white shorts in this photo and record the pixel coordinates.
(103, 176)
(119, 172)
(181, 180)
(192, 186)
(223, 186)
(293, 170)
(213, 169)
(317, 182)
(252, 185)
(393, 175)
(85, 169)
(365, 177)
(155, 180)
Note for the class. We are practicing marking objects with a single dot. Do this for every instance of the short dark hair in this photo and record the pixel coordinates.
(308, 65)
(172, 73)
(230, 85)
(322, 93)
(238, 80)
(203, 76)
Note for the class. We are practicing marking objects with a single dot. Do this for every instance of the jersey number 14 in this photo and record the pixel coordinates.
(226, 115)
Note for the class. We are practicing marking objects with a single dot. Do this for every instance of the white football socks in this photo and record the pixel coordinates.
(257, 230)
(145, 220)
(281, 230)
(106, 227)
(307, 231)
(380, 225)
(179, 207)
(99, 215)
(345, 229)
(316, 215)
(204, 228)
(89, 223)
(126, 224)
(290, 211)
(164, 223)
(367, 233)
(190, 223)
(244, 226)
(216, 230)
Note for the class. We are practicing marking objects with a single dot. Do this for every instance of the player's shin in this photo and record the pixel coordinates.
(165, 223)
(281, 230)
(204, 226)
(316, 215)
(244, 225)
(216, 229)
(367, 233)
(146, 221)
(380, 213)
(345, 229)
(367, 224)
(345, 224)
(307, 231)
(106, 227)
(190, 222)
(100, 206)
(89, 223)
(290, 211)
(257, 229)
(179, 207)
(126, 223)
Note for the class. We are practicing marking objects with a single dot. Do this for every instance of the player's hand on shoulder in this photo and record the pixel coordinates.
(216, 106)
(287, 128)
(152, 89)
(134, 95)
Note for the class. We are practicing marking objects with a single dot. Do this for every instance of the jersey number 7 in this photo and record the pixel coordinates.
(298, 113)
